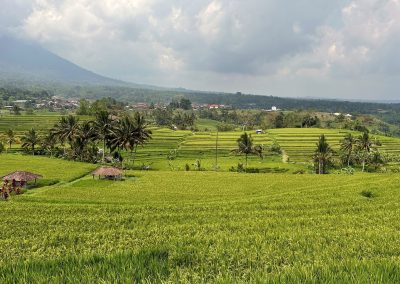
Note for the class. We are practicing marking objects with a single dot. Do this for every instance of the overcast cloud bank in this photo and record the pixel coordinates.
(342, 49)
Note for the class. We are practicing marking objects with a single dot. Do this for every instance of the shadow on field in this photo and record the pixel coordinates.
(125, 267)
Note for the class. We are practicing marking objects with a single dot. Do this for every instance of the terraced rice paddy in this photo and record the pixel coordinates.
(22, 123)
(174, 149)
(298, 145)
(199, 227)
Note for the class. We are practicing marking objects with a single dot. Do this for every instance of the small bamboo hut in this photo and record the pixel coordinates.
(20, 178)
(108, 173)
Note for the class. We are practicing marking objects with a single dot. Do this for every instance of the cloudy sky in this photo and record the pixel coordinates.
(298, 48)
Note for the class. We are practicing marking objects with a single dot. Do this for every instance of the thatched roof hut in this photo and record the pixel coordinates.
(20, 176)
(108, 172)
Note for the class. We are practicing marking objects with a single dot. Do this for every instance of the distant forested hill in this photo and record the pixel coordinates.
(239, 101)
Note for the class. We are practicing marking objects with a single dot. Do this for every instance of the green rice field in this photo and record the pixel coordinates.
(175, 150)
(198, 227)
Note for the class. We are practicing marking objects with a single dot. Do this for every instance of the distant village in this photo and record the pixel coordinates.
(57, 103)
(54, 103)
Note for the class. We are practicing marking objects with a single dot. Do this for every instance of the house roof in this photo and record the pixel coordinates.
(107, 171)
(21, 176)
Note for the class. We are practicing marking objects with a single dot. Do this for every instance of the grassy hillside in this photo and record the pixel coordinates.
(201, 227)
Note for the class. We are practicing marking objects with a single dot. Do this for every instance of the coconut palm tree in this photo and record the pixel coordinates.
(30, 140)
(323, 155)
(10, 138)
(66, 129)
(129, 133)
(142, 132)
(245, 146)
(102, 127)
(48, 143)
(84, 136)
(123, 135)
(364, 145)
(347, 146)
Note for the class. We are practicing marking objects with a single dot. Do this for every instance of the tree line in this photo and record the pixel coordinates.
(361, 151)
(78, 140)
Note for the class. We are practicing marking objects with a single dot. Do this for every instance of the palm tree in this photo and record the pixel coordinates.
(30, 140)
(102, 127)
(364, 147)
(143, 134)
(245, 146)
(123, 135)
(323, 155)
(347, 146)
(129, 133)
(48, 143)
(66, 129)
(84, 136)
(10, 138)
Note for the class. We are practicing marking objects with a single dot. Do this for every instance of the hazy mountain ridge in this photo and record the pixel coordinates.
(25, 61)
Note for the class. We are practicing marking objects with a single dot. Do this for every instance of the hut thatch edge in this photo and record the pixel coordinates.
(21, 176)
(108, 171)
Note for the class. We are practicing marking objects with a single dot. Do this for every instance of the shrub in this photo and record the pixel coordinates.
(172, 155)
(367, 194)
(197, 166)
(226, 127)
(348, 171)
(275, 148)
(239, 168)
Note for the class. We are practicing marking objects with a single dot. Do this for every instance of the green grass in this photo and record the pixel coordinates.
(206, 124)
(53, 170)
(201, 227)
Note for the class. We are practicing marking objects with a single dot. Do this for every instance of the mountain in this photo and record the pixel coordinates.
(25, 61)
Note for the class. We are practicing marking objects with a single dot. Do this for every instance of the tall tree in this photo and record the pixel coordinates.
(48, 143)
(279, 120)
(323, 155)
(84, 107)
(83, 137)
(102, 127)
(245, 146)
(129, 133)
(347, 146)
(66, 129)
(10, 138)
(364, 146)
(30, 140)
(143, 134)
(123, 135)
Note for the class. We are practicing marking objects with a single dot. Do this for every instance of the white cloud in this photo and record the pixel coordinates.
(260, 45)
